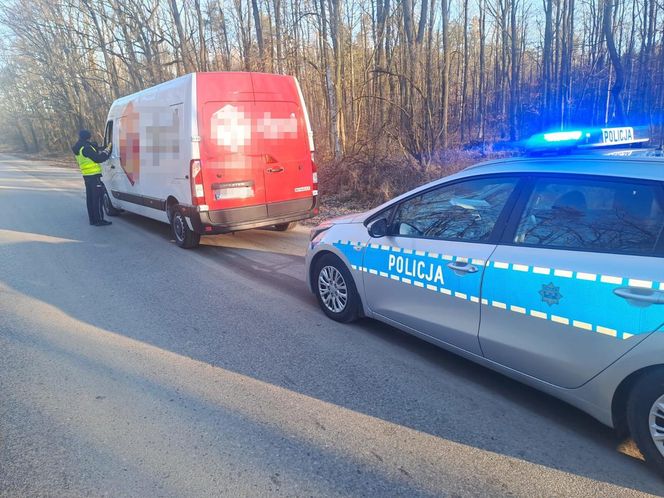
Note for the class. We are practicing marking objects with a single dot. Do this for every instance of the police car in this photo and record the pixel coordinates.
(548, 269)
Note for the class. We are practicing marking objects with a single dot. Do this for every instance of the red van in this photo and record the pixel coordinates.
(212, 153)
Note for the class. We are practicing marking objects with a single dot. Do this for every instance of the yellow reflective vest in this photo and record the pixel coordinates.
(87, 165)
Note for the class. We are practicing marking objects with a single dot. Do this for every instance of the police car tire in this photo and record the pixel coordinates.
(189, 239)
(108, 205)
(352, 310)
(645, 392)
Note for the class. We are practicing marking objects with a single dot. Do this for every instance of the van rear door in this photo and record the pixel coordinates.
(232, 172)
(281, 140)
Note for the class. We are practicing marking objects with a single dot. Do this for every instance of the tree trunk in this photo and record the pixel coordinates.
(226, 53)
(514, 71)
(481, 78)
(259, 33)
(464, 78)
(547, 56)
(278, 35)
(182, 39)
(618, 84)
(445, 76)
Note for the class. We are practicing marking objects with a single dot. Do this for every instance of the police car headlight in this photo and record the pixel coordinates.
(316, 231)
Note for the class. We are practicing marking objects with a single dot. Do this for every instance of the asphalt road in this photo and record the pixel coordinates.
(130, 367)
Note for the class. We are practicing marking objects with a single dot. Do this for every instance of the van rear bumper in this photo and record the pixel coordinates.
(245, 218)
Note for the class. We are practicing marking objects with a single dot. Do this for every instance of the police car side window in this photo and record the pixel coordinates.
(592, 215)
(465, 211)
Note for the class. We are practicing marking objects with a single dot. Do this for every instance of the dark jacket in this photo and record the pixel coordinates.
(90, 150)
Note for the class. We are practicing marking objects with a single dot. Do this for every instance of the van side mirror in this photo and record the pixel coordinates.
(378, 228)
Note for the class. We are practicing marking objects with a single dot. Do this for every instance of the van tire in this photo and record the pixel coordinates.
(184, 236)
(283, 227)
(107, 205)
(646, 392)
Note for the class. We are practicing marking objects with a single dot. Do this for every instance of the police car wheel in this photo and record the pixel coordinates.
(335, 290)
(184, 236)
(109, 210)
(645, 417)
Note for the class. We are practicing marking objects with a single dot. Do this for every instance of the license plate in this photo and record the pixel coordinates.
(615, 136)
(233, 193)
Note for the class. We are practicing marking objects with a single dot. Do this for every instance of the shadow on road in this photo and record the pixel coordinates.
(262, 323)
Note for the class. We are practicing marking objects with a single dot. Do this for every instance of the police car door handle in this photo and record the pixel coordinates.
(462, 267)
(639, 296)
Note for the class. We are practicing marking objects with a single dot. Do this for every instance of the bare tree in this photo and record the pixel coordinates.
(409, 79)
(619, 81)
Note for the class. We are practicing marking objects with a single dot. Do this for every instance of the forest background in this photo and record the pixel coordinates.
(399, 91)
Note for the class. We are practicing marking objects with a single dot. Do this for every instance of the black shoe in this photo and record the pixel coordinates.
(103, 223)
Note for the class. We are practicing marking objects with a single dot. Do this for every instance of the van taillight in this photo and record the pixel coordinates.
(314, 170)
(197, 191)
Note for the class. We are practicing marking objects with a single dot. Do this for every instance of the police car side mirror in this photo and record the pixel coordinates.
(378, 228)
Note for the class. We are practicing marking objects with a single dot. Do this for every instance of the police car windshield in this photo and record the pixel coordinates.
(467, 210)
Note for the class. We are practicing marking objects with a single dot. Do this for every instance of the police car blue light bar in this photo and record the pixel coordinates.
(562, 136)
(591, 138)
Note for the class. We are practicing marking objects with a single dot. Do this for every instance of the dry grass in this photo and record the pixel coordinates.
(360, 182)
(368, 180)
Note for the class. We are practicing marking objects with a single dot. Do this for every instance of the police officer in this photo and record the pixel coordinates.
(88, 158)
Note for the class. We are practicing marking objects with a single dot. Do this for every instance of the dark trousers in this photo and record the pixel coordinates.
(94, 190)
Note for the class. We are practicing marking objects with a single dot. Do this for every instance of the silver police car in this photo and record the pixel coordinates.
(548, 270)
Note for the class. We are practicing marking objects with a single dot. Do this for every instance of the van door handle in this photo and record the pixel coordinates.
(638, 296)
(275, 170)
(462, 267)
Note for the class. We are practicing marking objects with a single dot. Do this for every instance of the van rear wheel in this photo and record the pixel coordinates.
(282, 227)
(184, 236)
